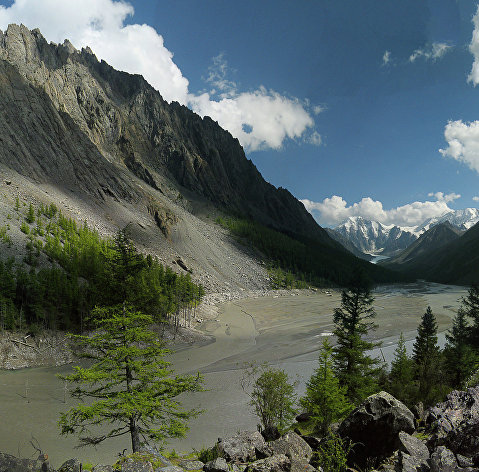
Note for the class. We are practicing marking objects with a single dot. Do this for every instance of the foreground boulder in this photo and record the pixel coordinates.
(10, 463)
(242, 447)
(455, 422)
(295, 448)
(374, 428)
(276, 463)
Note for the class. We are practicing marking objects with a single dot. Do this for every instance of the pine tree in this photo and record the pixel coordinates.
(426, 355)
(130, 384)
(353, 321)
(401, 376)
(324, 399)
(459, 354)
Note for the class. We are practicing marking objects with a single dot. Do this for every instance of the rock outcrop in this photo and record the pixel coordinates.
(374, 427)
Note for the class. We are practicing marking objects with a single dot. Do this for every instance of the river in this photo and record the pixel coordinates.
(283, 330)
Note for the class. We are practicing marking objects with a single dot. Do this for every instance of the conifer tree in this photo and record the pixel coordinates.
(426, 355)
(325, 400)
(471, 307)
(355, 370)
(130, 385)
(459, 354)
(401, 376)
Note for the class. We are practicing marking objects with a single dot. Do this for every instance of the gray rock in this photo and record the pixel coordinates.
(464, 461)
(313, 442)
(10, 463)
(71, 465)
(443, 460)
(374, 428)
(102, 468)
(277, 463)
(131, 465)
(216, 465)
(413, 446)
(191, 465)
(408, 463)
(153, 451)
(455, 422)
(170, 468)
(242, 447)
(293, 446)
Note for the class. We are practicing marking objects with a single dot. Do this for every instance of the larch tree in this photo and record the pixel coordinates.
(356, 370)
(401, 377)
(471, 308)
(324, 399)
(129, 385)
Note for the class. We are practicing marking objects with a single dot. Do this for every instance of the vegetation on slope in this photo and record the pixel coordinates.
(83, 271)
(310, 261)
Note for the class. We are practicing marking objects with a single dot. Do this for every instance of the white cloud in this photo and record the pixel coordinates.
(463, 142)
(332, 211)
(259, 119)
(386, 58)
(315, 139)
(476, 199)
(474, 49)
(433, 51)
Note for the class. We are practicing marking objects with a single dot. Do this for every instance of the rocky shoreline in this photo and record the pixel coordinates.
(385, 437)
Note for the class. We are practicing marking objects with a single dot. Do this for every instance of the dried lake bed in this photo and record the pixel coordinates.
(285, 331)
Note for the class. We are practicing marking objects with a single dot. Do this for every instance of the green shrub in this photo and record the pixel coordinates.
(208, 454)
(332, 456)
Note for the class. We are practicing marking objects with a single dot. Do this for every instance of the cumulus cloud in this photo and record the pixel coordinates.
(432, 52)
(474, 49)
(260, 119)
(332, 211)
(463, 143)
(476, 199)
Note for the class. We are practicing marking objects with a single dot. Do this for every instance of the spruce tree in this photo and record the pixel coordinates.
(427, 357)
(471, 308)
(459, 354)
(355, 370)
(324, 399)
(130, 385)
(401, 377)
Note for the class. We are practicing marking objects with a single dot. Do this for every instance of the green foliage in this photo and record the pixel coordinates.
(85, 272)
(401, 377)
(355, 370)
(324, 399)
(129, 382)
(428, 360)
(332, 455)
(471, 309)
(30, 218)
(313, 261)
(208, 454)
(460, 357)
(272, 396)
(4, 237)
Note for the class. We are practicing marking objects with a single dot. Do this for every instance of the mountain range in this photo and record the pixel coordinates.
(373, 237)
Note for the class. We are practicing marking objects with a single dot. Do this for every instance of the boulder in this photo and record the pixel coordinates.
(313, 441)
(293, 446)
(242, 447)
(191, 464)
(170, 468)
(216, 465)
(71, 465)
(102, 468)
(443, 460)
(455, 422)
(10, 463)
(374, 428)
(413, 446)
(276, 463)
(131, 465)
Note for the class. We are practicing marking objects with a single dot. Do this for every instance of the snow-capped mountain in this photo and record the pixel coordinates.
(373, 237)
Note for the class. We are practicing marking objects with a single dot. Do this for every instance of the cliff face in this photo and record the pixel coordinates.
(110, 118)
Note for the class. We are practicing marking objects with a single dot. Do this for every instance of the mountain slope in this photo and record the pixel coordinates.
(347, 244)
(437, 236)
(105, 147)
(456, 262)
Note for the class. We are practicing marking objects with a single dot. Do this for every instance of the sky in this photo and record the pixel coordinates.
(366, 108)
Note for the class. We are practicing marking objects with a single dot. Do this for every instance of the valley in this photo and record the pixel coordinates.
(284, 329)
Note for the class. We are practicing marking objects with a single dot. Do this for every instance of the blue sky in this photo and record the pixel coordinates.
(346, 104)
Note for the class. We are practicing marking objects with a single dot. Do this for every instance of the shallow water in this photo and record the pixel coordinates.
(285, 331)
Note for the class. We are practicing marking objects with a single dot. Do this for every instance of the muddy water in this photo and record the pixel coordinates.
(285, 331)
